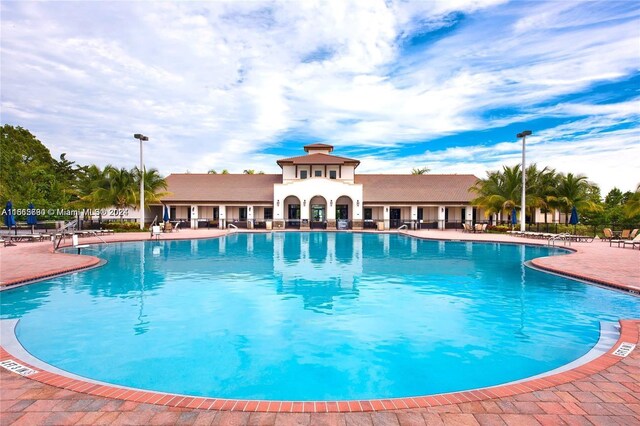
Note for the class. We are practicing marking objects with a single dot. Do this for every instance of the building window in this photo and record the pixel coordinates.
(268, 213)
(318, 173)
(243, 213)
(303, 174)
(332, 174)
(368, 214)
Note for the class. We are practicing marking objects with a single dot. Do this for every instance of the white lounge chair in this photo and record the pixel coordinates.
(633, 243)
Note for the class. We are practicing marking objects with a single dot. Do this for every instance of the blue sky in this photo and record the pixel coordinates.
(396, 84)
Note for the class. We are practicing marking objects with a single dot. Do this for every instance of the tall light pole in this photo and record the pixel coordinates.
(142, 138)
(523, 215)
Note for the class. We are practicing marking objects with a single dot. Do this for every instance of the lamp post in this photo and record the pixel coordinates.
(523, 135)
(142, 138)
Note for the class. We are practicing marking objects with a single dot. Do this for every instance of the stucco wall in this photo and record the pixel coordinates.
(306, 189)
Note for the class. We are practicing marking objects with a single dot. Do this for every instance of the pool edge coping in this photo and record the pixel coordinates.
(628, 333)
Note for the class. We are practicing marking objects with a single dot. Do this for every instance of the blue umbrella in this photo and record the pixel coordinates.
(9, 220)
(573, 220)
(31, 217)
(165, 218)
(514, 217)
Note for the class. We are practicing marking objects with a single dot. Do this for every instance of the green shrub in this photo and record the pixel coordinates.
(498, 229)
(123, 226)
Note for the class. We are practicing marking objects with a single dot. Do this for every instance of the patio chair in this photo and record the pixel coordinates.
(633, 243)
(619, 241)
(633, 233)
(608, 235)
(6, 241)
(626, 234)
(168, 227)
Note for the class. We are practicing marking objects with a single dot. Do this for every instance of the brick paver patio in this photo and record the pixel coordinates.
(609, 397)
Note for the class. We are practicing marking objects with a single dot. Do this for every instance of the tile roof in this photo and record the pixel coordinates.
(416, 188)
(192, 187)
(317, 158)
(377, 188)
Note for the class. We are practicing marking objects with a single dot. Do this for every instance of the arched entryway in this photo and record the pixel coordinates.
(318, 212)
(344, 212)
(292, 212)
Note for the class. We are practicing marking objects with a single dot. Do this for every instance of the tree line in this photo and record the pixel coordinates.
(29, 174)
(548, 190)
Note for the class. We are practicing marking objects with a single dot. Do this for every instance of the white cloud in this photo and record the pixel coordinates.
(215, 83)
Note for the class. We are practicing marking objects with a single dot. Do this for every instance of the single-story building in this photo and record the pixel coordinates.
(320, 190)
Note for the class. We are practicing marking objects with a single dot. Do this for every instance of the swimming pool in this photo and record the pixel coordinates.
(312, 316)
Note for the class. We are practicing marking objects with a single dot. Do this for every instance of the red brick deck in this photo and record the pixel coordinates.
(604, 391)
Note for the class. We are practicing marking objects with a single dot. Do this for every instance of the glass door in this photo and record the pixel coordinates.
(317, 213)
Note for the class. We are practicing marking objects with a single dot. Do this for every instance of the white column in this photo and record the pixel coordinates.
(386, 215)
(357, 209)
(331, 209)
(468, 212)
(441, 217)
(305, 206)
(414, 216)
(278, 209)
(222, 216)
(250, 213)
(194, 217)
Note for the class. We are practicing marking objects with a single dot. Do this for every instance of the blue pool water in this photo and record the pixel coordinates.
(312, 316)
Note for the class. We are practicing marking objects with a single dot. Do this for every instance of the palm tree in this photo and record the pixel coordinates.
(573, 191)
(541, 187)
(212, 172)
(154, 185)
(420, 171)
(249, 172)
(225, 172)
(91, 178)
(121, 190)
(632, 206)
(499, 191)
